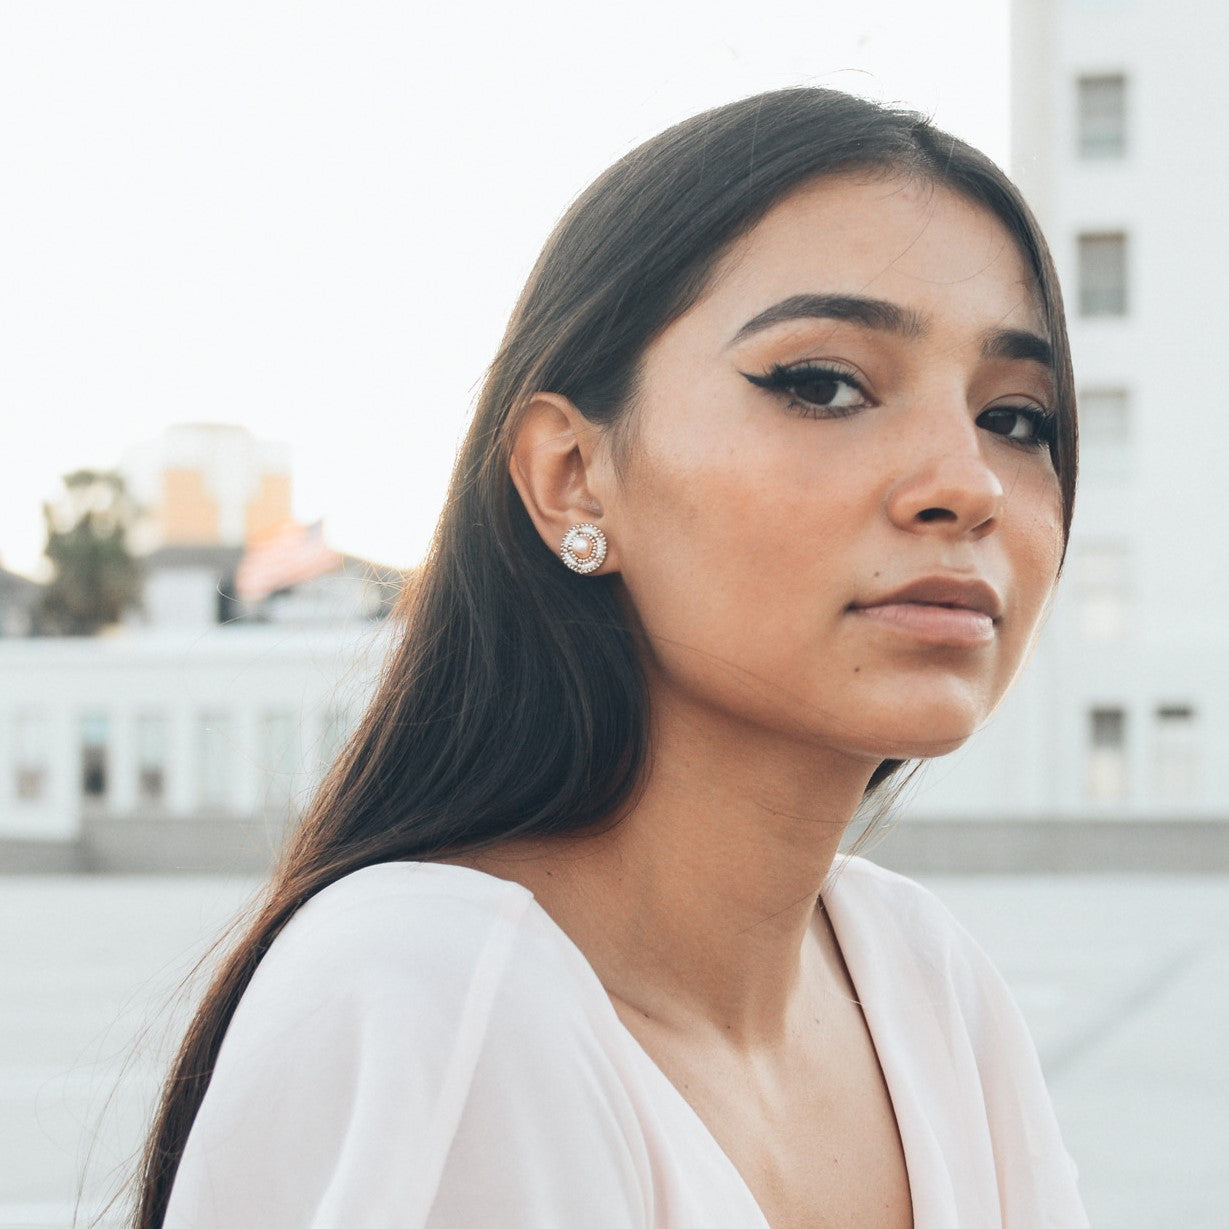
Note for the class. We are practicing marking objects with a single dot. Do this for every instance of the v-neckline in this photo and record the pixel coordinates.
(863, 981)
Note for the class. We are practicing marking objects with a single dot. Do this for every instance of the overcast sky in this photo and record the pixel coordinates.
(313, 218)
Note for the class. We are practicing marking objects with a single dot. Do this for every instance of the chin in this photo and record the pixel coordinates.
(923, 736)
(931, 749)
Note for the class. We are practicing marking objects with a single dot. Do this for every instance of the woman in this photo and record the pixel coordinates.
(766, 493)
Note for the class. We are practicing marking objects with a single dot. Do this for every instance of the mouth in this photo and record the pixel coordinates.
(943, 611)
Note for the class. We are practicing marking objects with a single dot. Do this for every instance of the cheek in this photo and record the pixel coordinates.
(678, 493)
(731, 546)
(697, 529)
(1036, 540)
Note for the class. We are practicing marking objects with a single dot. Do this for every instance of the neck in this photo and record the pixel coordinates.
(695, 909)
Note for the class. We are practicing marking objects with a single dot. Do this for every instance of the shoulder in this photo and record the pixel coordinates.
(895, 898)
(426, 932)
(417, 960)
(407, 916)
(399, 899)
(385, 1020)
(900, 925)
(946, 1014)
(391, 962)
(911, 922)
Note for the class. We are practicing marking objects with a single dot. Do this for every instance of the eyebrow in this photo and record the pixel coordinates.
(886, 317)
(1018, 344)
(876, 314)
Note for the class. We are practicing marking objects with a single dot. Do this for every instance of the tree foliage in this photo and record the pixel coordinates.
(96, 578)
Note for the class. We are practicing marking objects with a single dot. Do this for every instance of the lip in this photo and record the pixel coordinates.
(948, 611)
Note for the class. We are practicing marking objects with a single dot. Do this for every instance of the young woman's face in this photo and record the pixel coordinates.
(839, 517)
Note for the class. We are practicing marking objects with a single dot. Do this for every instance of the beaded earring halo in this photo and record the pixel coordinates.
(583, 548)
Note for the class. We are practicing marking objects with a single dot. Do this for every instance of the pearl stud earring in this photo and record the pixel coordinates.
(583, 548)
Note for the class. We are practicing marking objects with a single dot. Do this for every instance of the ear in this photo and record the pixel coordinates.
(560, 470)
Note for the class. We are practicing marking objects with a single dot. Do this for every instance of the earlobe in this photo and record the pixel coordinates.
(557, 467)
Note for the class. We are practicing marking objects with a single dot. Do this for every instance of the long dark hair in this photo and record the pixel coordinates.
(514, 702)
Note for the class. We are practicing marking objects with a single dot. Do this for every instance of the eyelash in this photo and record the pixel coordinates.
(784, 379)
(790, 379)
(1044, 423)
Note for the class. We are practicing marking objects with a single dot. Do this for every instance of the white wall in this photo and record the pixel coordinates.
(179, 597)
(318, 678)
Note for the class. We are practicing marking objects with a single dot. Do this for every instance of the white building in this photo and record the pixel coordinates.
(185, 748)
(189, 736)
(1117, 730)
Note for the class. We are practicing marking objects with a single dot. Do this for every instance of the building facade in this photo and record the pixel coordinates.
(189, 736)
(172, 749)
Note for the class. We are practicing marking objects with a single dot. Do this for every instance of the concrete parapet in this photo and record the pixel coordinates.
(925, 847)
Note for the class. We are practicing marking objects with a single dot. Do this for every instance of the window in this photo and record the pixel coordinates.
(30, 758)
(151, 757)
(213, 759)
(1101, 581)
(277, 736)
(1105, 432)
(95, 732)
(1101, 116)
(1107, 755)
(1176, 752)
(1103, 274)
(335, 729)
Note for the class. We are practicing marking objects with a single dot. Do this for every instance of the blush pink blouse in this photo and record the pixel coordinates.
(423, 1046)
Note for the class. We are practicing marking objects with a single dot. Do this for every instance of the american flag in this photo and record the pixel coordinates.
(286, 556)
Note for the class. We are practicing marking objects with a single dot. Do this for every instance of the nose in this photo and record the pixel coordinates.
(948, 490)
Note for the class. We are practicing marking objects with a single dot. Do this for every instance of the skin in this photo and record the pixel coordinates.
(751, 530)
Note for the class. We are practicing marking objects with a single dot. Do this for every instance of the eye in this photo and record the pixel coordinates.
(817, 390)
(1027, 425)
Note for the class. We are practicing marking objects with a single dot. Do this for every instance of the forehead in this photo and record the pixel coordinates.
(902, 239)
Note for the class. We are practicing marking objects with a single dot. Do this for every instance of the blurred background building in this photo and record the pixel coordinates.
(187, 735)
(207, 484)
